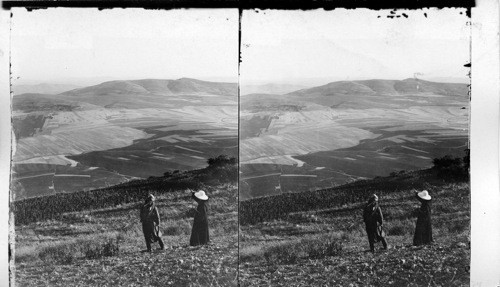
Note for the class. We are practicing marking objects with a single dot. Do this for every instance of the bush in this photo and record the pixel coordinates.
(221, 160)
(283, 253)
(95, 250)
(400, 228)
(320, 248)
(457, 226)
(178, 227)
(449, 167)
(316, 248)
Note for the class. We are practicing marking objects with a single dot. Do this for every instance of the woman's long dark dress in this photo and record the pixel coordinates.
(199, 233)
(423, 230)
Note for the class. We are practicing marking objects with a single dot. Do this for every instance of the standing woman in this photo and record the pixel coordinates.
(374, 220)
(199, 233)
(423, 229)
(150, 219)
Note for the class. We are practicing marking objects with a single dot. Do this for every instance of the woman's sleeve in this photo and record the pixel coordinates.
(140, 213)
(157, 216)
(380, 216)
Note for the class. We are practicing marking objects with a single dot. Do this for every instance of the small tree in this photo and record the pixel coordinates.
(221, 160)
(449, 167)
(221, 169)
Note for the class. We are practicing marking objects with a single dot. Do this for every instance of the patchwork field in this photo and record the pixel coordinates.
(345, 131)
(106, 134)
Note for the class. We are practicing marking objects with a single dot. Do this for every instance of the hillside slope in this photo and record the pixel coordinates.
(109, 133)
(319, 238)
(102, 246)
(343, 131)
(386, 87)
(156, 86)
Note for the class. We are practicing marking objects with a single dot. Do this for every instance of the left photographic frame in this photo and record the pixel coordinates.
(125, 147)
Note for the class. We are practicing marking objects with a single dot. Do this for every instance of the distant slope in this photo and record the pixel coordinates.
(159, 87)
(364, 94)
(44, 88)
(346, 130)
(35, 102)
(119, 130)
(135, 94)
(386, 87)
(270, 88)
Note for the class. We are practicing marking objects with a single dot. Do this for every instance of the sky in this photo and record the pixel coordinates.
(60, 44)
(353, 44)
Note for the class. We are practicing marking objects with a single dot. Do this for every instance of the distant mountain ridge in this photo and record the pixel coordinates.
(386, 87)
(133, 94)
(157, 87)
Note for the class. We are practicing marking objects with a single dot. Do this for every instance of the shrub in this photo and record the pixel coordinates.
(221, 160)
(452, 167)
(323, 247)
(457, 226)
(283, 253)
(63, 254)
(314, 248)
(252, 253)
(178, 227)
(399, 228)
(95, 250)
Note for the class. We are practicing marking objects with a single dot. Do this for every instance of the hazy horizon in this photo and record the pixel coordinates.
(354, 44)
(304, 81)
(54, 45)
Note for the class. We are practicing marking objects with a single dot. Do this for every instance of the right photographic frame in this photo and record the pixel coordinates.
(354, 148)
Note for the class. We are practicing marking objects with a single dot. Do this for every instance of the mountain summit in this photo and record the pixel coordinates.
(386, 87)
(157, 87)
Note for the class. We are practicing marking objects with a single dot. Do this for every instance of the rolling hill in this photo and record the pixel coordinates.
(119, 130)
(156, 86)
(348, 130)
(386, 87)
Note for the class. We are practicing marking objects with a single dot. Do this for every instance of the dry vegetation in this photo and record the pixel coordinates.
(328, 246)
(103, 247)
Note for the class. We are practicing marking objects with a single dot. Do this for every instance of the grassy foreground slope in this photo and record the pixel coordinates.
(318, 238)
(95, 238)
(103, 247)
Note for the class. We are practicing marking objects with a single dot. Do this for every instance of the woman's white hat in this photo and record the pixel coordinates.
(424, 194)
(201, 195)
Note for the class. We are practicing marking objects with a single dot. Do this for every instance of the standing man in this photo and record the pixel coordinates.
(150, 219)
(372, 215)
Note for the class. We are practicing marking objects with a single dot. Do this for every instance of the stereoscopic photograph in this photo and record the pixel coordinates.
(354, 148)
(124, 167)
(226, 147)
